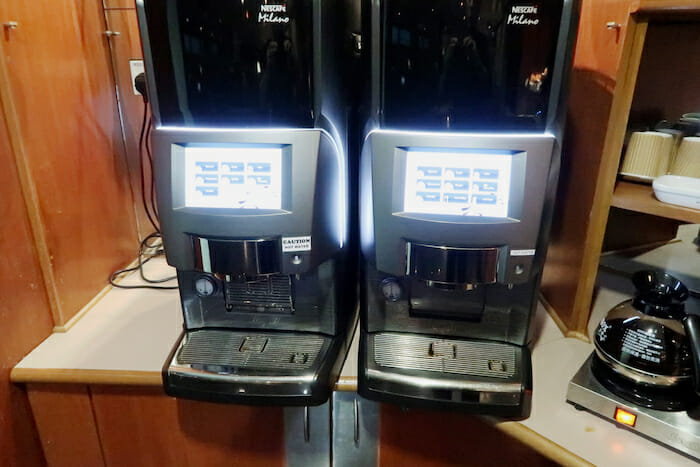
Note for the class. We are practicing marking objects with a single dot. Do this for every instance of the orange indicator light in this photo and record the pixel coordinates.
(625, 417)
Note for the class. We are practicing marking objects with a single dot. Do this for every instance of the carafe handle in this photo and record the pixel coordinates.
(691, 323)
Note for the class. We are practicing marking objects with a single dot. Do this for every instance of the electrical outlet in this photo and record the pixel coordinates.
(136, 67)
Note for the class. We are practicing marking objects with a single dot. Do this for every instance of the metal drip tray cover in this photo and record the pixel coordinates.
(453, 356)
(224, 351)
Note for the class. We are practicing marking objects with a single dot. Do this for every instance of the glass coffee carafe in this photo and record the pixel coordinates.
(647, 347)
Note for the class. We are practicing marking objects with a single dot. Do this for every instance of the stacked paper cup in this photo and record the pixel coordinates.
(687, 161)
(648, 155)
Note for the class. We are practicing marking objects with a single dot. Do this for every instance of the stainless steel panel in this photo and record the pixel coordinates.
(355, 430)
(678, 430)
(452, 265)
(455, 356)
(249, 350)
(485, 373)
(307, 436)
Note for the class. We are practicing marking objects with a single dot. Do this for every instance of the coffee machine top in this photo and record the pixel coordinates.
(469, 65)
(248, 62)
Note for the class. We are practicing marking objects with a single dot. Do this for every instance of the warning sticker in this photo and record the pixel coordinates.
(522, 252)
(290, 244)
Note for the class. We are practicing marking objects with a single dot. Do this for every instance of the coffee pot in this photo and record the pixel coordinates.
(647, 348)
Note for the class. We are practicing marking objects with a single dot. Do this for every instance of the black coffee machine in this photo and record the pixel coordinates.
(458, 173)
(251, 105)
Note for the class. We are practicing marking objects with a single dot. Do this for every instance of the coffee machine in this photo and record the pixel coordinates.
(457, 179)
(251, 166)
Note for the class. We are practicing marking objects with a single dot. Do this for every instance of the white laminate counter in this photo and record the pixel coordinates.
(126, 336)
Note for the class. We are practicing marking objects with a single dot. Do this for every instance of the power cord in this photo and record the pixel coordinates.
(143, 141)
(150, 247)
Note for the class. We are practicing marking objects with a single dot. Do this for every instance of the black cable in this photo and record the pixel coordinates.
(144, 258)
(143, 175)
(149, 153)
(154, 240)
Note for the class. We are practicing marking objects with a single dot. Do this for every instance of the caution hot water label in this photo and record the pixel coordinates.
(290, 244)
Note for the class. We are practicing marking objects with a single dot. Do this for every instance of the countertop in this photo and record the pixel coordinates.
(125, 337)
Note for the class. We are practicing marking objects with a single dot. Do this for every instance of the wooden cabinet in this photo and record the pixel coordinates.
(604, 90)
(127, 425)
(64, 419)
(433, 439)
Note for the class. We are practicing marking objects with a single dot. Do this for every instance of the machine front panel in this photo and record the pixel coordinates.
(284, 186)
(461, 191)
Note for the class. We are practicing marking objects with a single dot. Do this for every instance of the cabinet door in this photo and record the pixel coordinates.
(602, 28)
(423, 438)
(142, 426)
(61, 84)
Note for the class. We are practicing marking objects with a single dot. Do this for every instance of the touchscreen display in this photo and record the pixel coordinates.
(457, 183)
(233, 177)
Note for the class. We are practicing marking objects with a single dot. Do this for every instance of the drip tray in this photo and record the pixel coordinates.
(234, 365)
(226, 351)
(478, 376)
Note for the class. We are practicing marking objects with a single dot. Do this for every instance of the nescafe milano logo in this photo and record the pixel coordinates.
(273, 14)
(523, 15)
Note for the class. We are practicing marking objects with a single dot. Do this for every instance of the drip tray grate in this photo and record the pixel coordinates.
(411, 352)
(263, 351)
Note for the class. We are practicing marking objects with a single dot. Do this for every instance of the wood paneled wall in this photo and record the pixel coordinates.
(67, 209)
(125, 47)
(668, 73)
(59, 79)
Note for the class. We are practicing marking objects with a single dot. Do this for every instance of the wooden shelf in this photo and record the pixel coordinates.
(640, 198)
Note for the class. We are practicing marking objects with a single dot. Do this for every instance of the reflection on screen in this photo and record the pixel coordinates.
(233, 177)
(458, 184)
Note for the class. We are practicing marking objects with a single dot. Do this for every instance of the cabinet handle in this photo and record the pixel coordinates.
(112, 33)
(356, 410)
(10, 25)
(613, 25)
(307, 430)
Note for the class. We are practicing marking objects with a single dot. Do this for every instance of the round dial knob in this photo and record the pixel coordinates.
(204, 286)
(391, 289)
